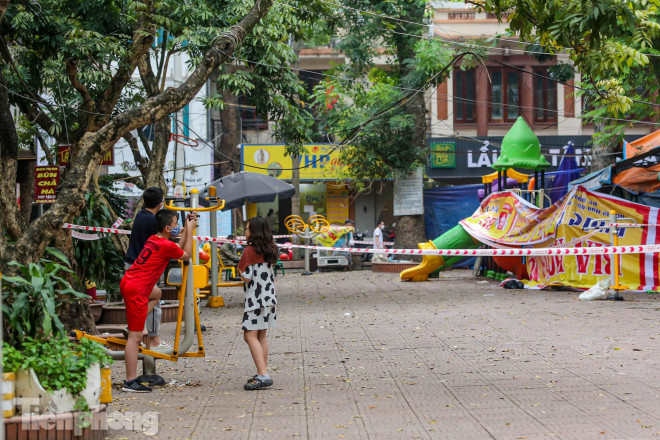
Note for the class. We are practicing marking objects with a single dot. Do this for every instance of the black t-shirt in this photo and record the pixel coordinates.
(144, 227)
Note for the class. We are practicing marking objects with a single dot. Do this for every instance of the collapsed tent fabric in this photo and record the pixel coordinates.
(641, 145)
(506, 220)
(639, 180)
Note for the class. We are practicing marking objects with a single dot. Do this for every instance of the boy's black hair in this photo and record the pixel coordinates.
(152, 197)
(164, 219)
(262, 239)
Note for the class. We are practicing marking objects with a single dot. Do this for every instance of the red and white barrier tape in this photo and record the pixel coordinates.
(96, 229)
(639, 249)
(386, 243)
(474, 252)
(629, 225)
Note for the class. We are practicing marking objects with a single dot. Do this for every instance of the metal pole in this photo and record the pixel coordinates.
(307, 235)
(614, 273)
(214, 247)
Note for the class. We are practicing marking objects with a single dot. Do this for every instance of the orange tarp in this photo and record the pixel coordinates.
(641, 145)
(639, 179)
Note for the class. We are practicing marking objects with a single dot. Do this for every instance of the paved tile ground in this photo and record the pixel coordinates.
(361, 355)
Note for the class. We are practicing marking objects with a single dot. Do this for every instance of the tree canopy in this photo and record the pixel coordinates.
(68, 67)
(613, 44)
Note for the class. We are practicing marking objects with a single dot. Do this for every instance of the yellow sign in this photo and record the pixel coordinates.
(321, 162)
(506, 220)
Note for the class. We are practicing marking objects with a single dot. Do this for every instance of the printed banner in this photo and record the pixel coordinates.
(333, 235)
(506, 220)
(46, 180)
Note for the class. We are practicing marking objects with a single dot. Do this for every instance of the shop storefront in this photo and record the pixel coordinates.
(321, 190)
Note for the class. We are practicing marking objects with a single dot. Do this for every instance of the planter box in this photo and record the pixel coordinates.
(115, 313)
(391, 267)
(97, 310)
(31, 397)
(58, 426)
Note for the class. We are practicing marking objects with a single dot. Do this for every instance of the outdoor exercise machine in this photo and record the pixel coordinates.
(195, 276)
(317, 224)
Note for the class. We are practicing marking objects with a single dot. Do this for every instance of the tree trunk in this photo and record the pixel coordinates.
(409, 232)
(601, 153)
(231, 135)
(410, 229)
(77, 315)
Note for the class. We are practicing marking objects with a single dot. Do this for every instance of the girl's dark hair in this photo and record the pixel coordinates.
(262, 239)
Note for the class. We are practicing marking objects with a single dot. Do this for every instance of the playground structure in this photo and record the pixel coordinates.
(194, 277)
(317, 224)
(520, 149)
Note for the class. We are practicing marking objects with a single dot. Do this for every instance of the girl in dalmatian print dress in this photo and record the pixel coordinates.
(260, 311)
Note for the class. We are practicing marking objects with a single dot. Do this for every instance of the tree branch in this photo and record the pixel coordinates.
(37, 116)
(163, 48)
(145, 141)
(6, 56)
(14, 222)
(88, 103)
(141, 44)
(4, 4)
(137, 157)
(42, 141)
(173, 99)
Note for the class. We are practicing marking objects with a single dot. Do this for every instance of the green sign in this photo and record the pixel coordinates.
(443, 155)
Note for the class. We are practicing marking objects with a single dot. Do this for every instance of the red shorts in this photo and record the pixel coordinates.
(136, 304)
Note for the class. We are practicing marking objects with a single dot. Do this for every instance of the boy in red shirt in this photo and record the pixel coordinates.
(136, 286)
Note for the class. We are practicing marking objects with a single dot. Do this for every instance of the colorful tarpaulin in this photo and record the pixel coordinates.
(332, 235)
(641, 145)
(506, 220)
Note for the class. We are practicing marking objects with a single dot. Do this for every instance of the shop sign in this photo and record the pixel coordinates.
(46, 180)
(409, 194)
(64, 153)
(321, 162)
(443, 155)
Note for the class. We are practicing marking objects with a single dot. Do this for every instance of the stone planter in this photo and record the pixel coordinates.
(97, 310)
(115, 313)
(391, 267)
(58, 426)
(32, 398)
(8, 391)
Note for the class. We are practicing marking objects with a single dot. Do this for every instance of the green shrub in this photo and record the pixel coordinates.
(57, 362)
(30, 301)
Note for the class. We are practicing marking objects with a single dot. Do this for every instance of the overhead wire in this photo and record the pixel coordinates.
(389, 17)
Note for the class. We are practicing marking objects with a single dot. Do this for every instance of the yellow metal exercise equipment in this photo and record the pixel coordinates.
(192, 280)
(316, 224)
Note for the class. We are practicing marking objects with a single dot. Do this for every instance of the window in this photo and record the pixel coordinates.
(464, 96)
(461, 15)
(545, 97)
(504, 95)
(249, 118)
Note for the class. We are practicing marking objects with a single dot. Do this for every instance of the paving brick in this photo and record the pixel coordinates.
(364, 356)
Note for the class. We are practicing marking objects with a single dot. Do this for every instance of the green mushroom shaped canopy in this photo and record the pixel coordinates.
(521, 149)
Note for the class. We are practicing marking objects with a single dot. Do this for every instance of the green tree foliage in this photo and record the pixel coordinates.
(612, 43)
(71, 67)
